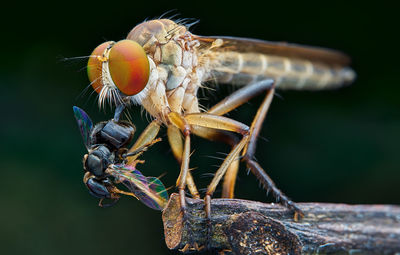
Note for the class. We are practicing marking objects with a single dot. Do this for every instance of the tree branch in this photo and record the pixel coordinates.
(247, 227)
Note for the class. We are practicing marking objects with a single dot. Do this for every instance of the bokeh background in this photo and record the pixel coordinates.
(333, 146)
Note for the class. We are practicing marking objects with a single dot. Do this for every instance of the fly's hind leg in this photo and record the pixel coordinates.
(230, 139)
(235, 100)
(255, 168)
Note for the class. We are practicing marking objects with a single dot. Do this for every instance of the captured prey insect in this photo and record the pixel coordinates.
(161, 66)
(105, 163)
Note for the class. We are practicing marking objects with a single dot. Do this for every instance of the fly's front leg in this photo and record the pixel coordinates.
(230, 139)
(146, 138)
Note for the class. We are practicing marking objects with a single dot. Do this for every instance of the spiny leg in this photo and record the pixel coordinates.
(230, 139)
(182, 153)
(231, 102)
(180, 122)
(219, 123)
(235, 100)
(181, 181)
(147, 137)
(256, 169)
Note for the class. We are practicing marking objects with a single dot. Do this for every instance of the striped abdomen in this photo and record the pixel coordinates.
(289, 73)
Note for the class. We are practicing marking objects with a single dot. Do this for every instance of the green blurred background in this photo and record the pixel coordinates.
(333, 146)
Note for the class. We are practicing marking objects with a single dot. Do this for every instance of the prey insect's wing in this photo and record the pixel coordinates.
(282, 49)
(85, 124)
(149, 190)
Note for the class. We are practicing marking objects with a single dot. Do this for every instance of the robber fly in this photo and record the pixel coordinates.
(105, 163)
(161, 66)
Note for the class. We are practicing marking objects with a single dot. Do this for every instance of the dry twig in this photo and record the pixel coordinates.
(247, 227)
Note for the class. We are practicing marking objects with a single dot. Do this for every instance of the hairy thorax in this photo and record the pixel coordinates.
(175, 74)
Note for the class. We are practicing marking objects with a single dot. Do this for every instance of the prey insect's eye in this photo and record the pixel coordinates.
(129, 67)
(95, 65)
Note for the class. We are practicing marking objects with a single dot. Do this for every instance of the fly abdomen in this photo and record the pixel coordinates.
(289, 73)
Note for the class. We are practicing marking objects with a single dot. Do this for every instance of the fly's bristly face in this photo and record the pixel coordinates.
(118, 70)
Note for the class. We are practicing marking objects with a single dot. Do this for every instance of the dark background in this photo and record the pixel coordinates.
(333, 146)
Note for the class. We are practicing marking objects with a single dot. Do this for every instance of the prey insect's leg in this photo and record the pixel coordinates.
(118, 111)
(176, 143)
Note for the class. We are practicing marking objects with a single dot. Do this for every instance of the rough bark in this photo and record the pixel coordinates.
(248, 227)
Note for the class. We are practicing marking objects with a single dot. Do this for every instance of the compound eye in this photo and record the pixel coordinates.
(129, 67)
(94, 66)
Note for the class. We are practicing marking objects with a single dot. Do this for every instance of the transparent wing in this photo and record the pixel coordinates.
(149, 190)
(283, 49)
(85, 124)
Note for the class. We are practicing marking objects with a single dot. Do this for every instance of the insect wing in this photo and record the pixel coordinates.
(156, 185)
(149, 190)
(85, 124)
(282, 49)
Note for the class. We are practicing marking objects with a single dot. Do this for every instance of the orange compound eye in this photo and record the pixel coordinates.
(94, 66)
(129, 67)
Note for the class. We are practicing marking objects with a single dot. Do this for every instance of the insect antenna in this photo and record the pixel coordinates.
(73, 59)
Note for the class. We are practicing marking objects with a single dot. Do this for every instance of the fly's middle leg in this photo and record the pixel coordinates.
(209, 121)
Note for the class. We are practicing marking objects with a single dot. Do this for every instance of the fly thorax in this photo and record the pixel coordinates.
(179, 60)
(154, 32)
(173, 50)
